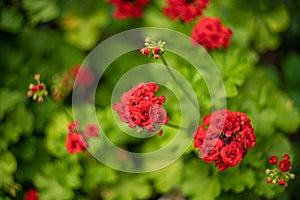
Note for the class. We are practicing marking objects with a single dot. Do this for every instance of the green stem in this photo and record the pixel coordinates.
(174, 126)
(177, 82)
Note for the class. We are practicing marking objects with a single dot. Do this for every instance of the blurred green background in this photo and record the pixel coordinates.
(261, 72)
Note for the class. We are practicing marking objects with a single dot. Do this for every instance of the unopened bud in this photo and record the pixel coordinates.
(37, 77)
(268, 171)
(292, 176)
(40, 99)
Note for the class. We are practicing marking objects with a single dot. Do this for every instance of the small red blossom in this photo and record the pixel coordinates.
(33, 88)
(126, 9)
(73, 126)
(286, 157)
(153, 48)
(210, 33)
(224, 138)
(145, 51)
(91, 130)
(280, 173)
(284, 165)
(282, 182)
(37, 91)
(75, 143)
(268, 180)
(40, 86)
(185, 10)
(140, 107)
(31, 194)
(273, 160)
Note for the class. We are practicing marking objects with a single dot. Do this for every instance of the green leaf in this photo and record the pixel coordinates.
(11, 20)
(130, 187)
(287, 115)
(56, 133)
(277, 18)
(96, 174)
(50, 189)
(6, 106)
(237, 179)
(41, 10)
(277, 145)
(167, 178)
(198, 184)
(8, 166)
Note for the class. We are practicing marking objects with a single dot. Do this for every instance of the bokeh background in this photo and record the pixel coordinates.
(261, 73)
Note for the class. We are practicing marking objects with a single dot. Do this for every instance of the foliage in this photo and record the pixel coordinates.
(49, 37)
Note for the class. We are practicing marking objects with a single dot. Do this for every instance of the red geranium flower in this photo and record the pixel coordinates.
(75, 143)
(31, 194)
(126, 9)
(210, 33)
(185, 10)
(140, 107)
(232, 154)
(224, 138)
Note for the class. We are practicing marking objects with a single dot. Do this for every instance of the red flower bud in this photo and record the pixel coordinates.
(282, 182)
(268, 180)
(33, 89)
(273, 160)
(156, 50)
(40, 87)
(286, 157)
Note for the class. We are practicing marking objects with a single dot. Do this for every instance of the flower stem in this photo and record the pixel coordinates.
(177, 82)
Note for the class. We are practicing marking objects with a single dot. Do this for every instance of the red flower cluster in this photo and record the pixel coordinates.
(210, 33)
(126, 9)
(224, 138)
(76, 142)
(37, 91)
(31, 194)
(185, 10)
(140, 107)
(280, 173)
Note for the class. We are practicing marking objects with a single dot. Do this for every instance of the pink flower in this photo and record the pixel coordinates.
(91, 130)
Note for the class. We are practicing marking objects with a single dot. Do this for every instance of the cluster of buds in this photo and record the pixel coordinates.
(280, 174)
(37, 91)
(153, 48)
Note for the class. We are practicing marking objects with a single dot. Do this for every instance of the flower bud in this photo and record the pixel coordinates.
(268, 180)
(282, 182)
(156, 50)
(292, 176)
(268, 171)
(37, 77)
(274, 181)
(40, 99)
(40, 87)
